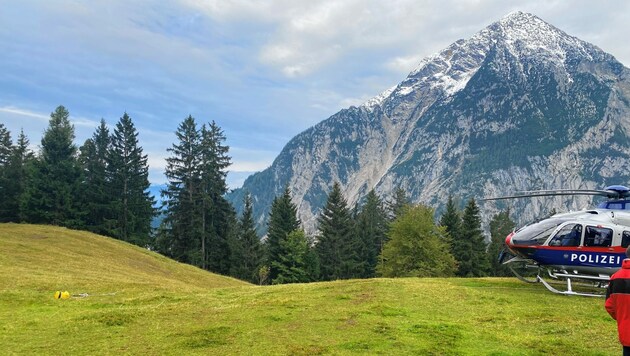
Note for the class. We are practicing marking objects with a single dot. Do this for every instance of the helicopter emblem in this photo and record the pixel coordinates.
(579, 250)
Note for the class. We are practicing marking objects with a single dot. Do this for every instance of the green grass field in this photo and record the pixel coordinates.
(142, 303)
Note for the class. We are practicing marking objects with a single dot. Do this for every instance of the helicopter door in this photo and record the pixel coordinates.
(597, 236)
(568, 236)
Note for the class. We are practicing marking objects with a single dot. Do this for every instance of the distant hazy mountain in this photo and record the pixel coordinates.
(520, 105)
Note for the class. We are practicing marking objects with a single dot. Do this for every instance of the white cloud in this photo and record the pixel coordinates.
(24, 112)
(264, 70)
(249, 166)
(404, 64)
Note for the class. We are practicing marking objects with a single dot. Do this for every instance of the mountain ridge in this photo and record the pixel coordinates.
(505, 110)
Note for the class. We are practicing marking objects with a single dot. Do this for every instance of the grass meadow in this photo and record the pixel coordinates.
(139, 302)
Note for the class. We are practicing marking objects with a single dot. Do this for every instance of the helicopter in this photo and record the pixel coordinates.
(579, 250)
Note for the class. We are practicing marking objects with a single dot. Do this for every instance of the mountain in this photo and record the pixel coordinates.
(520, 105)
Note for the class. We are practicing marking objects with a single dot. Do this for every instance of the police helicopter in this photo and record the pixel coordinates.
(577, 250)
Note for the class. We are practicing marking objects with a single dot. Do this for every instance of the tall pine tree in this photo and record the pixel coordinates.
(183, 231)
(218, 218)
(282, 221)
(338, 245)
(245, 248)
(371, 230)
(128, 177)
(451, 219)
(398, 204)
(292, 265)
(52, 193)
(470, 248)
(6, 151)
(96, 199)
(199, 222)
(18, 173)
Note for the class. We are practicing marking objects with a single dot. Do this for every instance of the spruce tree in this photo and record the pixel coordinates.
(6, 151)
(282, 221)
(398, 204)
(19, 170)
(96, 199)
(337, 246)
(416, 247)
(371, 230)
(218, 218)
(51, 195)
(182, 231)
(246, 249)
(451, 220)
(470, 249)
(500, 226)
(127, 175)
(291, 265)
(200, 224)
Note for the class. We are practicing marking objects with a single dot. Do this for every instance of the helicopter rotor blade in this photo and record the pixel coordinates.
(543, 193)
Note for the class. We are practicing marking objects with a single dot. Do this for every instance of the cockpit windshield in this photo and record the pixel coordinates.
(537, 233)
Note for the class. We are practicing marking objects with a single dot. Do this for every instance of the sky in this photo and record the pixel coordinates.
(264, 71)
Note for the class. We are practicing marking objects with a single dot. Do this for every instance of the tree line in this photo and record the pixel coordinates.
(102, 186)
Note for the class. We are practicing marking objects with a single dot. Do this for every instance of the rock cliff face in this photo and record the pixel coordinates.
(520, 105)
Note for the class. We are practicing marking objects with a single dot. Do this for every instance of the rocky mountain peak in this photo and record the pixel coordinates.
(520, 105)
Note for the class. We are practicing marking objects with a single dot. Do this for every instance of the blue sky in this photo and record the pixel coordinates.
(263, 70)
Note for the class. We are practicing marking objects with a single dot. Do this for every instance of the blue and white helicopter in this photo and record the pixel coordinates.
(580, 250)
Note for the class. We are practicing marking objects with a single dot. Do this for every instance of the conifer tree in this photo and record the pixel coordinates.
(6, 151)
(398, 204)
(291, 265)
(337, 248)
(282, 221)
(451, 218)
(470, 248)
(182, 231)
(6, 146)
(371, 230)
(416, 247)
(246, 249)
(96, 199)
(200, 223)
(127, 175)
(218, 218)
(500, 226)
(51, 195)
(20, 167)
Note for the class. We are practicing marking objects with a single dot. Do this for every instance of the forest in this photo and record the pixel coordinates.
(103, 187)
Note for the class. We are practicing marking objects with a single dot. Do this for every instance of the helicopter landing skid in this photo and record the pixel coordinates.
(523, 278)
(520, 267)
(569, 289)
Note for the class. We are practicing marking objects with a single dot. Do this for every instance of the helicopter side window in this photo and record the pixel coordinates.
(569, 235)
(625, 239)
(597, 236)
(615, 206)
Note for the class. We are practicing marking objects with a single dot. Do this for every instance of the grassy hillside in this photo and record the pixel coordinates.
(141, 303)
(45, 258)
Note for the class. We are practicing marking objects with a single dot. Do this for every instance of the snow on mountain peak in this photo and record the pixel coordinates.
(527, 34)
(377, 100)
(520, 33)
